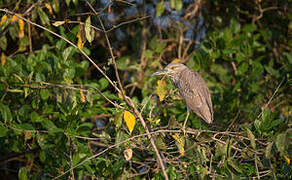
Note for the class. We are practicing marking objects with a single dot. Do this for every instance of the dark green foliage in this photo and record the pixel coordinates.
(59, 116)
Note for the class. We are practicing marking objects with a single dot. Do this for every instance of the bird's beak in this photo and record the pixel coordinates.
(161, 72)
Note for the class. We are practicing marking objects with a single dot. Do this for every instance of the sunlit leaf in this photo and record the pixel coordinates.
(287, 159)
(14, 18)
(49, 7)
(159, 8)
(56, 5)
(268, 150)
(22, 173)
(159, 141)
(128, 153)
(89, 31)
(44, 94)
(68, 2)
(3, 59)
(18, 77)
(21, 28)
(82, 97)
(281, 142)
(67, 52)
(130, 120)
(180, 142)
(161, 89)
(3, 19)
(80, 42)
(43, 16)
(234, 165)
(176, 4)
(251, 138)
(58, 23)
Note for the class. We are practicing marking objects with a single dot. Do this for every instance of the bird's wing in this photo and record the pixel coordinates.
(196, 94)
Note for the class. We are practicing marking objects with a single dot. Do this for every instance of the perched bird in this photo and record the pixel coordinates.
(192, 88)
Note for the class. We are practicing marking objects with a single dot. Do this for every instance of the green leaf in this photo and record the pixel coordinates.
(159, 8)
(148, 54)
(69, 73)
(22, 173)
(272, 71)
(235, 26)
(251, 138)
(176, 4)
(234, 165)
(249, 28)
(25, 126)
(268, 150)
(67, 52)
(34, 117)
(5, 112)
(84, 65)
(89, 31)
(215, 54)
(50, 126)
(289, 56)
(3, 43)
(103, 83)
(123, 63)
(242, 69)
(44, 94)
(56, 6)
(3, 131)
(281, 142)
(68, 2)
(42, 156)
(43, 16)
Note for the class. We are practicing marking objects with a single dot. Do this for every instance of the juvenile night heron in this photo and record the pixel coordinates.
(192, 88)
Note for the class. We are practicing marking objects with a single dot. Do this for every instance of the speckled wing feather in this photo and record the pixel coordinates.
(196, 94)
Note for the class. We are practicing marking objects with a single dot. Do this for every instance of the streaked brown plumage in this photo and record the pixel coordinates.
(192, 88)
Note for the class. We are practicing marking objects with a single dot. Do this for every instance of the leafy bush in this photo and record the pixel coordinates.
(77, 98)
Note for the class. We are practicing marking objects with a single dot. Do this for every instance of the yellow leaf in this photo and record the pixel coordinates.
(175, 60)
(49, 7)
(180, 142)
(3, 59)
(58, 23)
(128, 153)
(15, 18)
(21, 28)
(3, 19)
(130, 120)
(82, 97)
(287, 159)
(161, 89)
(80, 43)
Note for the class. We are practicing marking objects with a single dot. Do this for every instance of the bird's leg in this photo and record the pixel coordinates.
(186, 119)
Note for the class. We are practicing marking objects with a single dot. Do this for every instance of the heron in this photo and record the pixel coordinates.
(192, 88)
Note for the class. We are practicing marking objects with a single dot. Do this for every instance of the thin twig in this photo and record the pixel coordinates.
(72, 87)
(256, 165)
(270, 100)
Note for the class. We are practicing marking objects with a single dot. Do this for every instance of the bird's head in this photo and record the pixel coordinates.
(171, 70)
